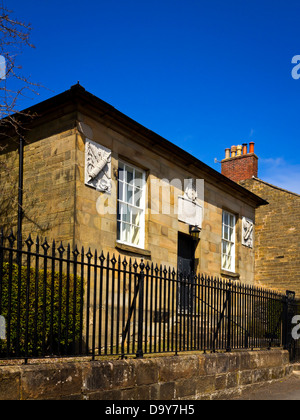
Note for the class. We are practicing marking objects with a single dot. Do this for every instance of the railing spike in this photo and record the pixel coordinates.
(29, 241)
(11, 238)
(102, 258)
(142, 265)
(89, 254)
(45, 245)
(76, 252)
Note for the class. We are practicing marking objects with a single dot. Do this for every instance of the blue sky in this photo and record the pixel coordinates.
(203, 74)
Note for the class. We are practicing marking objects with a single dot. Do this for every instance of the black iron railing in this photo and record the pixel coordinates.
(55, 301)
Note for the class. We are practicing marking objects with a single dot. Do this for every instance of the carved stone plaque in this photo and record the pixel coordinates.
(97, 166)
(189, 211)
(248, 232)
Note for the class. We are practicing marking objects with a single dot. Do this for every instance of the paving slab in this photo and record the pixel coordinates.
(286, 389)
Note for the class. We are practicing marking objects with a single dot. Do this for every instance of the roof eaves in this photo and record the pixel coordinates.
(77, 93)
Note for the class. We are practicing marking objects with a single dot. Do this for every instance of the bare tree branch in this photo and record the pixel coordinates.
(14, 36)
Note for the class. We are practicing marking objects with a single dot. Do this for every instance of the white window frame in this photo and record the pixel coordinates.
(122, 203)
(228, 241)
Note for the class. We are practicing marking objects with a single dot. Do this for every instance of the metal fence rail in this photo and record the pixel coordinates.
(55, 301)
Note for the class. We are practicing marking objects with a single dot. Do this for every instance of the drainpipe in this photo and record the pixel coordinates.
(20, 193)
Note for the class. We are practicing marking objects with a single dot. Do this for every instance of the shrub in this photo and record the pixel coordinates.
(39, 311)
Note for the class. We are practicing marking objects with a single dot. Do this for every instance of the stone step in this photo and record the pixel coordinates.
(296, 367)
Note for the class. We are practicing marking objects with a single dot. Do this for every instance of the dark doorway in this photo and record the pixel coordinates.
(186, 254)
(186, 267)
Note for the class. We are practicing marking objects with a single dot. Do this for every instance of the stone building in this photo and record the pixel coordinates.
(277, 228)
(96, 178)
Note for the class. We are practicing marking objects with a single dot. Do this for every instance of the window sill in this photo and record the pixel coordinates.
(133, 250)
(230, 274)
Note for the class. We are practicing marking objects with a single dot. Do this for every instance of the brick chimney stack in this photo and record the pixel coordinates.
(239, 164)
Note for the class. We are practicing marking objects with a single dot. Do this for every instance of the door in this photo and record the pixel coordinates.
(186, 266)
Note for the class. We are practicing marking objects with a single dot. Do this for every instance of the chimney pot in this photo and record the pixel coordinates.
(251, 147)
(227, 153)
(240, 167)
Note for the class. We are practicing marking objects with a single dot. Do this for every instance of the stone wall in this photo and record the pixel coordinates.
(210, 376)
(49, 187)
(277, 234)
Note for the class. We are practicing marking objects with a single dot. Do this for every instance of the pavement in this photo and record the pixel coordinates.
(286, 389)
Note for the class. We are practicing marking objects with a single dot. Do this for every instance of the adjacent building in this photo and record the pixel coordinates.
(277, 227)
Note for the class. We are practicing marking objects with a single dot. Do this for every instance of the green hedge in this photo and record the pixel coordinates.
(47, 308)
(267, 319)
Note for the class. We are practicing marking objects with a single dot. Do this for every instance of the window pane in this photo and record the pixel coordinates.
(136, 236)
(226, 233)
(227, 255)
(224, 261)
(125, 213)
(126, 232)
(121, 191)
(138, 175)
(136, 217)
(137, 197)
(232, 221)
(121, 172)
(129, 175)
(139, 180)
(129, 194)
(226, 218)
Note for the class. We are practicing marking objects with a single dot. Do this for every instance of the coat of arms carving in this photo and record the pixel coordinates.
(97, 166)
(248, 232)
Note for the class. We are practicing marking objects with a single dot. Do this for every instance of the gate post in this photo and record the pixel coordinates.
(285, 322)
(288, 313)
(228, 345)
(140, 353)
